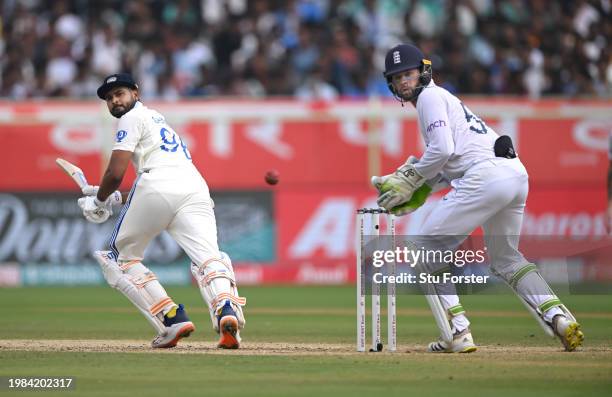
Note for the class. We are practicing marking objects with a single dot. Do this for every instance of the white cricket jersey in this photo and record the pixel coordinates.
(455, 137)
(145, 132)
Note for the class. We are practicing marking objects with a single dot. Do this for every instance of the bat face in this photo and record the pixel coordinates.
(73, 171)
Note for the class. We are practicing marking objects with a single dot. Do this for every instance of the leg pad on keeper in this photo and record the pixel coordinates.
(140, 287)
(456, 310)
(217, 285)
(440, 294)
(441, 317)
(536, 295)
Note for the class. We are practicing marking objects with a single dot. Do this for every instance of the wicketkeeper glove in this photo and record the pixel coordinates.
(399, 187)
(419, 197)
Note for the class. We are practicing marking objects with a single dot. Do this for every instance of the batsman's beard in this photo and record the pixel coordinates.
(119, 113)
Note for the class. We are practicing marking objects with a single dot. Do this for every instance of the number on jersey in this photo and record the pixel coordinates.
(170, 143)
(475, 123)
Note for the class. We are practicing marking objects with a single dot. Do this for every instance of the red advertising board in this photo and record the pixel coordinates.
(319, 227)
(325, 153)
(316, 233)
(234, 143)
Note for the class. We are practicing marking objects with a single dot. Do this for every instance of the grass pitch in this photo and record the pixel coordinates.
(298, 341)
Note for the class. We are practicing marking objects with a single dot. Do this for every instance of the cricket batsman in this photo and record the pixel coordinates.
(489, 189)
(168, 194)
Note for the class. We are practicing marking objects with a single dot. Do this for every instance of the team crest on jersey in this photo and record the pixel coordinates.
(396, 57)
(121, 134)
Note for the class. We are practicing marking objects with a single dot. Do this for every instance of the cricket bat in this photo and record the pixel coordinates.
(73, 172)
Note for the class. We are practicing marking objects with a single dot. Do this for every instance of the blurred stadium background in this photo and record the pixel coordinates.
(294, 86)
(303, 48)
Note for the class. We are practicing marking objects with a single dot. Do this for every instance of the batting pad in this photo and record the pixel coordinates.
(139, 285)
(217, 284)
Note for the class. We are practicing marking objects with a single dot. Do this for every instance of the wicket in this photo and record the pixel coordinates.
(360, 242)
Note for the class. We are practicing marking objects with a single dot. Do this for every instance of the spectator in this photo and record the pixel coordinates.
(274, 47)
(315, 87)
(106, 52)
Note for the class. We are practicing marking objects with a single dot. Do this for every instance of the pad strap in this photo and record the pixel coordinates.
(456, 310)
(159, 306)
(213, 275)
(206, 278)
(522, 272)
(209, 261)
(127, 265)
(225, 295)
(549, 304)
(143, 279)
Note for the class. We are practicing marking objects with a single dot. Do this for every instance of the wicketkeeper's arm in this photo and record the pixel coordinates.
(433, 116)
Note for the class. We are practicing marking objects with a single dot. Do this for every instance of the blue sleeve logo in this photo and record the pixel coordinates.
(121, 134)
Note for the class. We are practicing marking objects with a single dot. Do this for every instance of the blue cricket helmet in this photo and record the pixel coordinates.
(404, 57)
(116, 80)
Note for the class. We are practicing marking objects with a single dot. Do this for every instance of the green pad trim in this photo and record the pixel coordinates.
(522, 273)
(549, 304)
(456, 310)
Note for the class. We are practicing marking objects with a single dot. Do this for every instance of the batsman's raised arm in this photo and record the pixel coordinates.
(113, 176)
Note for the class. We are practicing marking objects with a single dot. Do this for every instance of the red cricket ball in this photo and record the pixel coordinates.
(272, 177)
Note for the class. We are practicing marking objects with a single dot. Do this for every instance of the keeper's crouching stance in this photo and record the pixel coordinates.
(490, 187)
(168, 195)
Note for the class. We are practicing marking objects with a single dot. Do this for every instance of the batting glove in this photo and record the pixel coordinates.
(92, 190)
(97, 211)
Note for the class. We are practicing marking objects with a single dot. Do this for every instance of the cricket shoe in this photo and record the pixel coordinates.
(568, 331)
(462, 343)
(228, 328)
(177, 326)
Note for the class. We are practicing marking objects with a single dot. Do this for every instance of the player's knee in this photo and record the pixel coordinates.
(214, 267)
(110, 269)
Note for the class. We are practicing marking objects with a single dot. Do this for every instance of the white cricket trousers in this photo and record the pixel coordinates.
(491, 194)
(175, 199)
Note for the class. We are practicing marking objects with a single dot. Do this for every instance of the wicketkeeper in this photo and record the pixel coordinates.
(489, 189)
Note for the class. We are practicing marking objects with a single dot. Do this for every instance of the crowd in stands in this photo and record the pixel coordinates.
(310, 49)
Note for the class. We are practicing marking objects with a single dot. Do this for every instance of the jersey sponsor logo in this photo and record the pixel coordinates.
(158, 119)
(436, 124)
(121, 134)
(396, 57)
